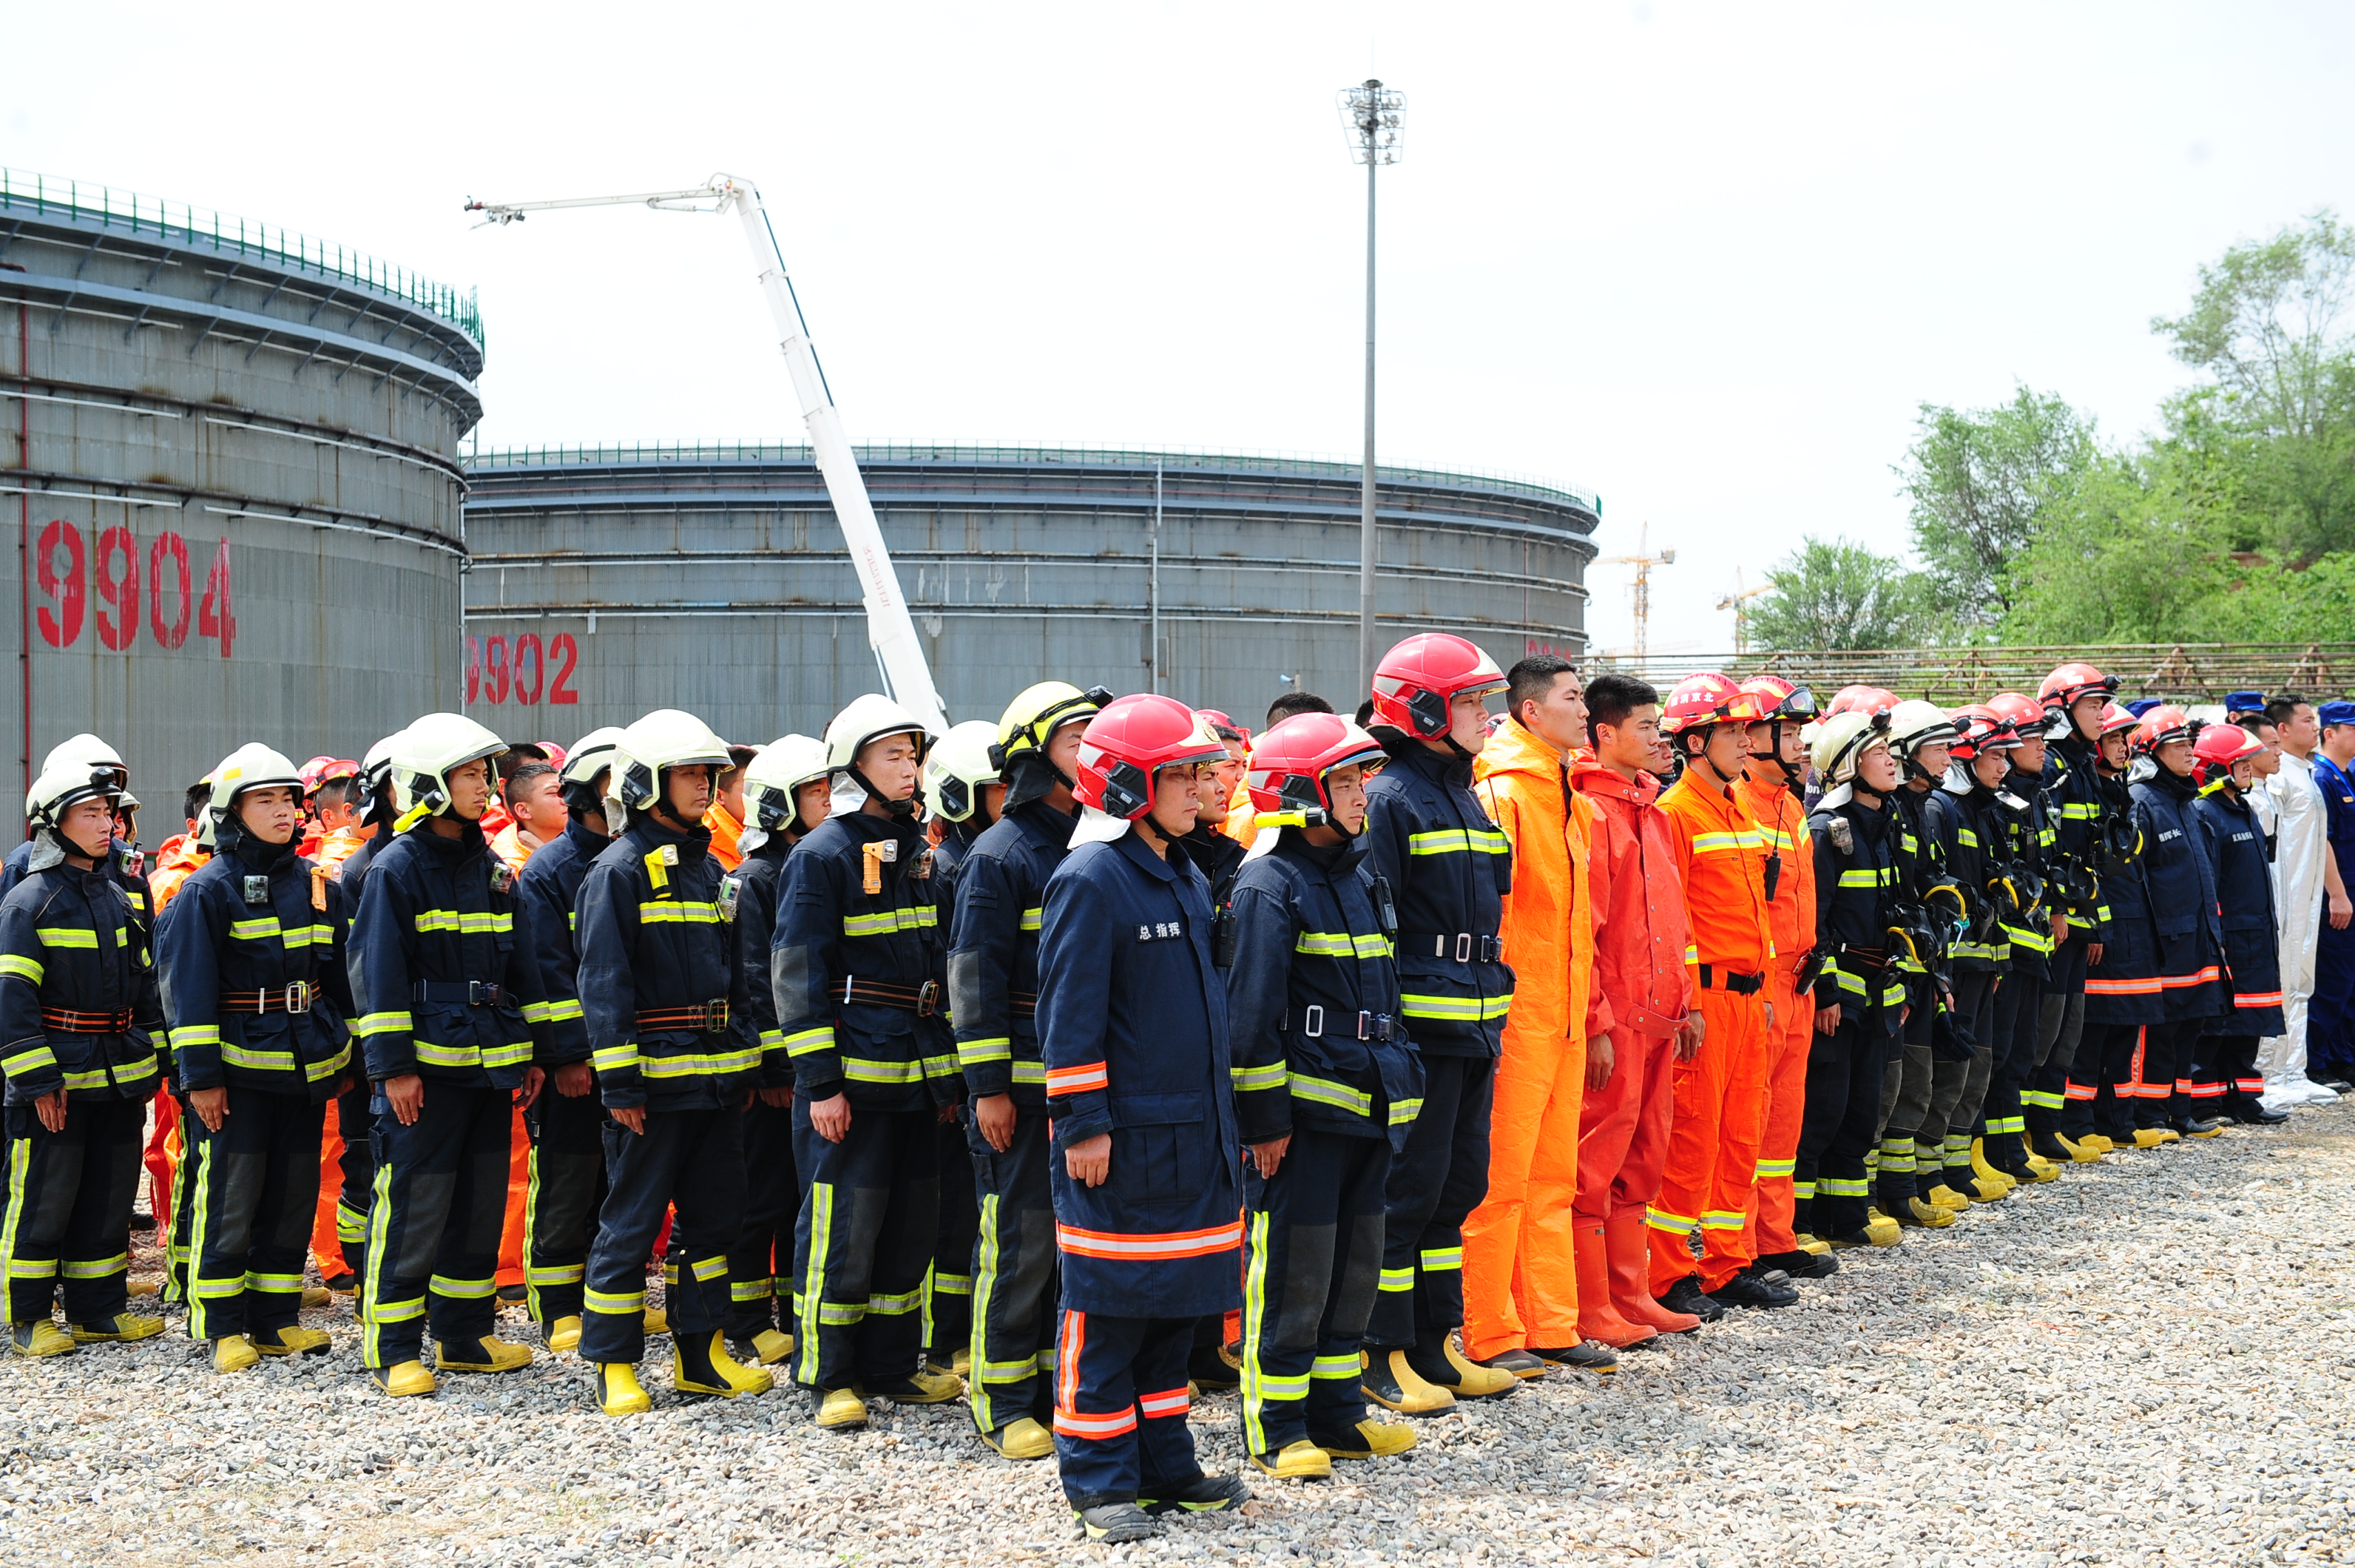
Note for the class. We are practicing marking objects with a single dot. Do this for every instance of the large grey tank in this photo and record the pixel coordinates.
(608, 580)
(230, 462)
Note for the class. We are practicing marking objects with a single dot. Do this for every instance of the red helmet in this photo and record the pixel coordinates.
(2027, 719)
(1979, 728)
(1217, 717)
(556, 753)
(2115, 720)
(2071, 682)
(1861, 699)
(1417, 680)
(320, 770)
(2218, 747)
(1132, 740)
(1701, 701)
(1778, 698)
(1290, 760)
(2158, 726)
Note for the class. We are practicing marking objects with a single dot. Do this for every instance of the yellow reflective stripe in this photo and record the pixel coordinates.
(891, 920)
(1030, 1072)
(463, 1289)
(1404, 1111)
(237, 1055)
(434, 1055)
(1870, 876)
(1342, 945)
(100, 1268)
(314, 1070)
(614, 1057)
(1398, 1279)
(450, 920)
(680, 913)
(975, 1052)
(1718, 843)
(699, 1066)
(381, 1023)
(25, 1062)
(1437, 1258)
(1325, 1091)
(1460, 1009)
(616, 1303)
(67, 936)
(941, 1066)
(23, 968)
(1967, 836)
(1457, 841)
(253, 930)
(860, 1070)
(194, 1034)
(773, 1040)
(1274, 1077)
(1033, 918)
(803, 1041)
(562, 1012)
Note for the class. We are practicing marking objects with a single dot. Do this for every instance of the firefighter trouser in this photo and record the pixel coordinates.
(2062, 1025)
(2330, 1011)
(2222, 1068)
(1014, 1276)
(567, 1188)
(861, 1244)
(1121, 1399)
(1712, 1145)
(1845, 1069)
(1314, 1256)
(2018, 1019)
(1521, 1277)
(1773, 1200)
(357, 1169)
(68, 1217)
(2117, 1087)
(1898, 1172)
(760, 1264)
(434, 1222)
(1434, 1187)
(1937, 1143)
(948, 1287)
(1622, 1130)
(2162, 1076)
(257, 1191)
(691, 1159)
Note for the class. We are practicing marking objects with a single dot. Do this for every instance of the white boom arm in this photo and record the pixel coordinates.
(889, 629)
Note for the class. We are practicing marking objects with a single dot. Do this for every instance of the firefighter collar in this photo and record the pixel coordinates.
(1099, 828)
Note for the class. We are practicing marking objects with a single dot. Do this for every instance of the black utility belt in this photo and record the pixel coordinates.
(923, 1000)
(71, 1020)
(295, 997)
(706, 1017)
(1463, 946)
(1379, 1026)
(1740, 985)
(468, 993)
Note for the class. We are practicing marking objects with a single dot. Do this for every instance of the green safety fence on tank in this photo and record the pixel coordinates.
(171, 221)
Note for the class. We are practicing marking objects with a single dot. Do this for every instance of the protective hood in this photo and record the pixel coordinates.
(1099, 828)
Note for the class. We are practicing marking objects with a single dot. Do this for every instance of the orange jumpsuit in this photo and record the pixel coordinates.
(1721, 1092)
(725, 831)
(1791, 914)
(1520, 1271)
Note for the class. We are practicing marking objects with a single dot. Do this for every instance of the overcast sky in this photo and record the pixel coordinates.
(1704, 259)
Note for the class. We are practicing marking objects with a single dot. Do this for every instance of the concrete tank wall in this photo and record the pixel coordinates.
(279, 417)
(608, 581)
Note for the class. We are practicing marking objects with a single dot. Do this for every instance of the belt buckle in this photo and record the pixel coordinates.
(715, 1015)
(1365, 1026)
(1464, 947)
(1312, 1022)
(928, 1000)
(482, 994)
(296, 999)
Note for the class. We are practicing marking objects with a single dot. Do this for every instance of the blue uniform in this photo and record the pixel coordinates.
(1133, 1019)
(948, 1287)
(567, 1150)
(2182, 883)
(2224, 1061)
(1860, 880)
(2330, 1014)
(760, 1262)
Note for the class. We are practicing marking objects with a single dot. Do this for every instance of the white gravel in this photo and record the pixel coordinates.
(2152, 1360)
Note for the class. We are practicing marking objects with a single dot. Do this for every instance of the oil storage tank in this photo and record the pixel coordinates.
(607, 580)
(229, 460)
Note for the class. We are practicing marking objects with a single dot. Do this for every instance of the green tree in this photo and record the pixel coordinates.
(1837, 594)
(1978, 481)
(2126, 552)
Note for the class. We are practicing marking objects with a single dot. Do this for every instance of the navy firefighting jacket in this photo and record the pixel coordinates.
(658, 974)
(887, 1046)
(548, 890)
(2124, 987)
(445, 975)
(2182, 883)
(1133, 1019)
(1859, 885)
(994, 951)
(2077, 805)
(754, 1024)
(78, 1006)
(1311, 999)
(1449, 868)
(125, 866)
(256, 923)
(2240, 858)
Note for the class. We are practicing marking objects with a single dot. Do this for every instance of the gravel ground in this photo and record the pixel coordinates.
(2151, 1360)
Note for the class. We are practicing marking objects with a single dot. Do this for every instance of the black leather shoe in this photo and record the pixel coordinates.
(2252, 1112)
(1687, 1295)
(1586, 1356)
(1801, 1265)
(2335, 1085)
(1753, 1288)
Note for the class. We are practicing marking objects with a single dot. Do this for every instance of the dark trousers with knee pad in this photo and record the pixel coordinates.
(760, 1264)
(1434, 1184)
(1014, 1277)
(434, 1220)
(1121, 1399)
(567, 1188)
(256, 1186)
(948, 1289)
(868, 1223)
(1313, 1258)
(66, 1219)
(356, 1169)
(690, 1160)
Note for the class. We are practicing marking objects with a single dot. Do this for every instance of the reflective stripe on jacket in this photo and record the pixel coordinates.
(1448, 868)
(1001, 898)
(652, 942)
(549, 890)
(69, 942)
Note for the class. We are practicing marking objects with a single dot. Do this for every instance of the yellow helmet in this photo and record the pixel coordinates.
(958, 769)
(426, 753)
(1032, 717)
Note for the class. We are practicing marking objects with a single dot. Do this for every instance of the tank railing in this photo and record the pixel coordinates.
(2199, 671)
(177, 221)
(1321, 464)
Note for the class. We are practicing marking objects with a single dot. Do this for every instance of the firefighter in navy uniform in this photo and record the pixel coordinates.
(1148, 1192)
(993, 971)
(786, 796)
(356, 1167)
(1325, 1084)
(446, 987)
(1920, 736)
(1978, 956)
(79, 1023)
(251, 961)
(2122, 994)
(2074, 697)
(658, 982)
(2038, 941)
(962, 787)
(566, 1122)
(857, 969)
(2223, 1065)
(1448, 868)
(2182, 882)
(124, 865)
(1216, 1361)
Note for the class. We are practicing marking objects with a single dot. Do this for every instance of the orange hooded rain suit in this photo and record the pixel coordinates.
(1520, 1273)
(1792, 914)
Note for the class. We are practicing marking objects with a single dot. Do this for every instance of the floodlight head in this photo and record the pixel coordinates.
(1373, 122)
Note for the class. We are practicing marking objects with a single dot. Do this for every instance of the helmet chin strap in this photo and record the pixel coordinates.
(1702, 756)
(903, 809)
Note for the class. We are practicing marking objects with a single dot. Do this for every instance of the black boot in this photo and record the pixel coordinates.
(1586, 1356)
(1687, 1295)
(1211, 1370)
(1752, 1288)
(2251, 1112)
(1802, 1264)
(1203, 1494)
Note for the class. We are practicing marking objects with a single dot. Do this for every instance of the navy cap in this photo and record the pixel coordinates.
(2338, 713)
(2244, 702)
(2142, 705)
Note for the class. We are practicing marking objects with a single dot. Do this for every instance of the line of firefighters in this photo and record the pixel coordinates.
(1083, 1060)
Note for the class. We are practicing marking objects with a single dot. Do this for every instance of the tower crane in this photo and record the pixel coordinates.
(1739, 602)
(1643, 561)
(891, 631)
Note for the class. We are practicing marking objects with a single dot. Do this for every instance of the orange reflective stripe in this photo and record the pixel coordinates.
(1077, 1080)
(1150, 1246)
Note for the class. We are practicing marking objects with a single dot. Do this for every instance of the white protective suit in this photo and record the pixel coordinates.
(2300, 842)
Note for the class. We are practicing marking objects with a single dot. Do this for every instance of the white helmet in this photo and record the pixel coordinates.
(959, 766)
(65, 784)
(663, 739)
(425, 754)
(772, 783)
(87, 750)
(1842, 738)
(251, 766)
(1913, 724)
(869, 718)
(590, 755)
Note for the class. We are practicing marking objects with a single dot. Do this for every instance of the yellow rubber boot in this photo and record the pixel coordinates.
(619, 1391)
(1881, 1229)
(234, 1354)
(40, 1337)
(1928, 1215)
(119, 1329)
(1473, 1380)
(1947, 1198)
(315, 1295)
(2085, 1150)
(1986, 1173)
(488, 1354)
(1301, 1461)
(1365, 1440)
(701, 1364)
(409, 1380)
(1023, 1439)
(2039, 1167)
(563, 1335)
(841, 1408)
(1815, 1244)
(141, 1285)
(770, 1345)
(296, 1342)
(657, 1321)
(1395, 1385)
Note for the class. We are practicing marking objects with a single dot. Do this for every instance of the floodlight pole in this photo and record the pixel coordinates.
(1371, 113)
